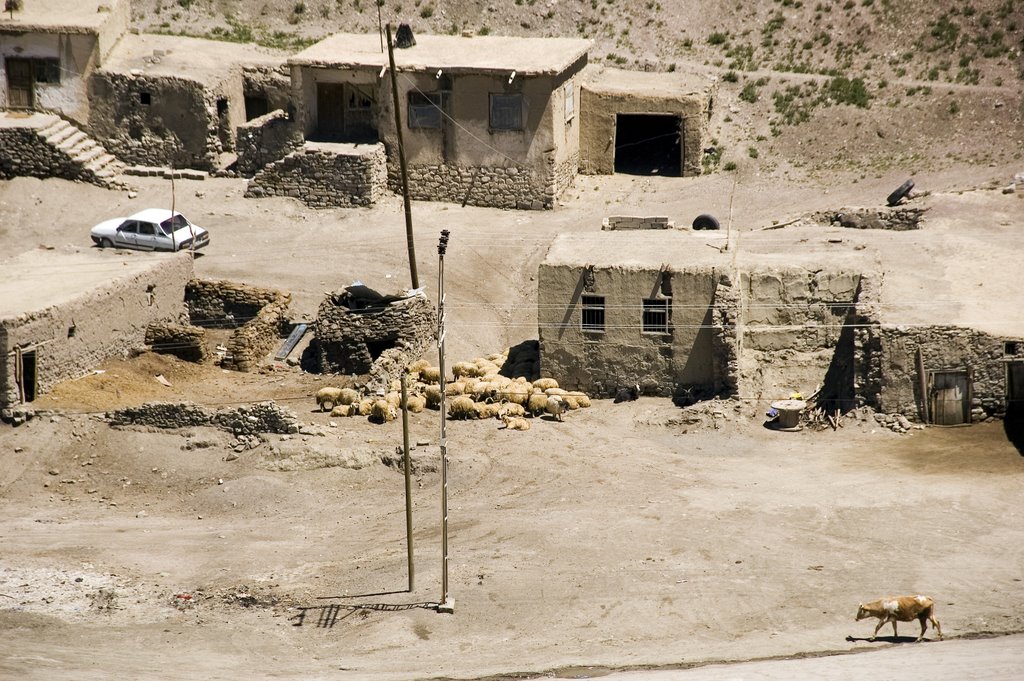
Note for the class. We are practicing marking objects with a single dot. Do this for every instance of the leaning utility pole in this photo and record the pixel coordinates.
(402, 165)
(408, 478)
(447, 604)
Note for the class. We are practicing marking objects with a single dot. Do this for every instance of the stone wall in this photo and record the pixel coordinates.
(378, 342)
(621, 222)
(259, 316)
(183, 341)
(264, 140)
(489, 186)
(264, 417)
(726, 338)
(325, 176)
(894, 219)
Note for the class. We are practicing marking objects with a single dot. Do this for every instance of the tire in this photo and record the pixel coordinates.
(106, 243)
(900, 193)
(705, 222)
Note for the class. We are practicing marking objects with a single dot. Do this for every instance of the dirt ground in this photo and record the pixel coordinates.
(630, 536)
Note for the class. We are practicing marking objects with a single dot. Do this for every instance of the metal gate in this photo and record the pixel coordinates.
(950, 397)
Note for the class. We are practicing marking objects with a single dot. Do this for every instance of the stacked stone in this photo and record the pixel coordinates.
(894, 219)
(161, 415)
(226, 304)
(265, 140)
(265, 417)
(183, 341)
(324, 179)
(488, 186)
(626, 222)
(725, 337)
(347, 339)
(564, 174)
(258, 336)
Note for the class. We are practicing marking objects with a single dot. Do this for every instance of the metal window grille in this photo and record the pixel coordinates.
(655, 317)
(592, 313)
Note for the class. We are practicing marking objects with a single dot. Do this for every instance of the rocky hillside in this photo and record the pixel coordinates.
(863, 86)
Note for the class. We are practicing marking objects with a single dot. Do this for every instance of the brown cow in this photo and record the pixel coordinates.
(901, 609)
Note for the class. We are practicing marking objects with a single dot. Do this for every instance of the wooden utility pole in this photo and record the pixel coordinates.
(402, 165)
(447, 604)
(408, 478)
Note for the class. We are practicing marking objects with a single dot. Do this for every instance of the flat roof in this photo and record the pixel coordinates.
(40, 279)
(195, 59)
(525, 56)
(606, 80)
(64, 16)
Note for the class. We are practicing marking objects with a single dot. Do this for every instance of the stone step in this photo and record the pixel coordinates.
(72, 141)
(87, 153)
(54, 126)
(60, 132)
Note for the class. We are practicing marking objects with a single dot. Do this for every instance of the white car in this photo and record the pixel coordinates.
(153, 229)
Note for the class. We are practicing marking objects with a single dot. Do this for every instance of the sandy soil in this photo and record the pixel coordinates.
(629, 536)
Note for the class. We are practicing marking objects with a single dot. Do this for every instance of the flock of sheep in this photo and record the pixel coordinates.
(477, 391)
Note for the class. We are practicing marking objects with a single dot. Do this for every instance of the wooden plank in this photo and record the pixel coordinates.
(293, 339)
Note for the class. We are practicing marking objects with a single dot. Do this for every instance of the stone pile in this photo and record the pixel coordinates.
(624, 222)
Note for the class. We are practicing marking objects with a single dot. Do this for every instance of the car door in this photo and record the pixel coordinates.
(127, 234)
(147, 239)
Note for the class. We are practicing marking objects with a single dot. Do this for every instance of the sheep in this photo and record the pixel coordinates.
(345, 410)
(570, 401)
(430, 375)
(582, 400)
(464, 370)
(555, 406)
(433, 395)
(515, 423)
(418, 366)
(627, 394)
(382, 412)
(394, 398)
(511, 409)
(349, 396)
(545, 383)
(325, 395)
(365, 406)
(555, 391)
(516, 393)
(485, 410)
(462, 407)
(416, 403)
(537, 404)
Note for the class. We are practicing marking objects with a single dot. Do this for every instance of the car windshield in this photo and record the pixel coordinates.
(173, 224)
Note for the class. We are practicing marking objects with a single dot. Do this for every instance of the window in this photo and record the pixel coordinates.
(147, 228)
(655, 315)
(507, 112)
(425, 110)
(592, 313)
(47, 70)
(145, 98)
(129, 227)
(570, 103)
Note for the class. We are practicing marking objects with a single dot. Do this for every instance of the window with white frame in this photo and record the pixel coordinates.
(506, 112)
(570, 101)
(592, 313)
(425, 109)
(655, 315)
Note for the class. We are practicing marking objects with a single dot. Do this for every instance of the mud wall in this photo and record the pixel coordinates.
(71, 338)
(663, 364)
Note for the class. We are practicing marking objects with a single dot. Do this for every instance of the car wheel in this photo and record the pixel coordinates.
(705, 222)
(106, 243)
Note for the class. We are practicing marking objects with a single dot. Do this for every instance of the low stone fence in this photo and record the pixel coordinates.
(263, 417)
(624, 222)
(181, 340)
(488, 186)
(259, 316)
(264, 140)
(894, 219)
(325, 176)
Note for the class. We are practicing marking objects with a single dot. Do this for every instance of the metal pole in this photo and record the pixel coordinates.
(380, 31)
(408, 478)
(402, 165)
(447, 604)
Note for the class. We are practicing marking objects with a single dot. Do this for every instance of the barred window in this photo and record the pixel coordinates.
(655, 318)
(507, 112)
(425, 110)
(592, 313)
(47, 70)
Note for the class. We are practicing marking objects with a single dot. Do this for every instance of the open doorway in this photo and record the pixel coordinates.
(649, 144)
(27, 375)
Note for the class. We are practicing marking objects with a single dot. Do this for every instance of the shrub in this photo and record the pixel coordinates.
(717, 39)
(842, 90)
(749, 93)
(730, 77)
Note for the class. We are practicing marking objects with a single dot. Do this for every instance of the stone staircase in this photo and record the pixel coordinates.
(93, 163)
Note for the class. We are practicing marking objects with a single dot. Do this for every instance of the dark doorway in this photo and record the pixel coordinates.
(20, 84)
(256, 106)
(1014, 419)
(345, 113)
(648, 144)
(27, 379)
(377, 347)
